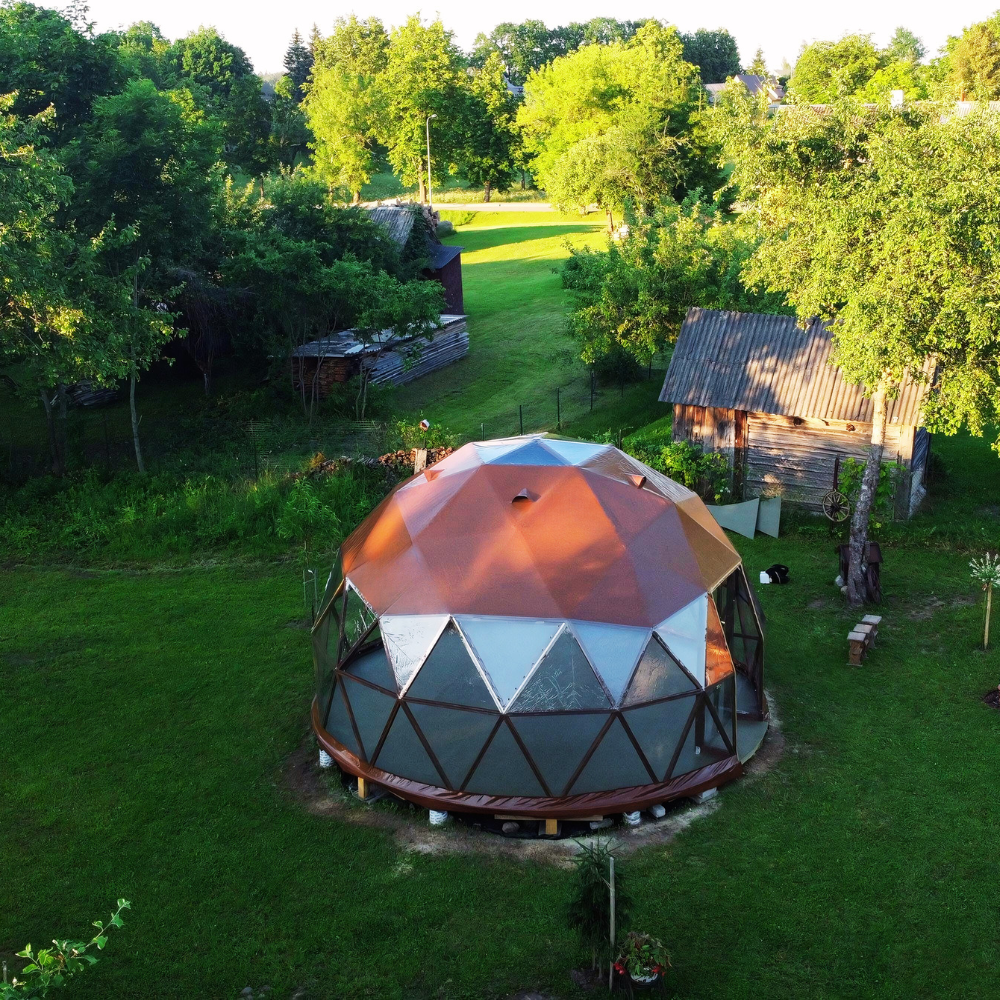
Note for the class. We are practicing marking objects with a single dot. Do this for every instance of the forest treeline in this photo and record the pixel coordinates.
(152, 189)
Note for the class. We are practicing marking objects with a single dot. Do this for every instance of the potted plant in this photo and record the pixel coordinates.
(642, 958)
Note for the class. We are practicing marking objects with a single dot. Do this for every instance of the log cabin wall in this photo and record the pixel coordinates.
(710, 428)
(796, 456)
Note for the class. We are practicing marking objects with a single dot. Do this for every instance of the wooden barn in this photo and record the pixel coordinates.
(761, 391)
(414, 229)
(338, 358)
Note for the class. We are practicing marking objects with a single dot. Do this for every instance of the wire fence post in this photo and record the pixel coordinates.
(558, 412)
(482, 427)
(591, 390)
(520, 416)
(253, 441)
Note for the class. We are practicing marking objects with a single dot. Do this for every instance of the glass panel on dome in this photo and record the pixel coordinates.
(684, 635)
(574, 452)
(408, 639)
(690, 758)
(558, 743)
(532, 453)
(338, 723)
(403, 754)
(490, 451)
(333, 582)
(371, 710)
(372, 665)
(723, 699)
(657, 676)
(657, 729)
(324, 663)
(449, 675)
(563, 680)
(507, 648)
(614, 764)
(456, 737)
(358, 618)
(504, 769)
(613, 650)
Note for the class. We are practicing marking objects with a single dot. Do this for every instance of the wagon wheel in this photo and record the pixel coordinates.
(836, 506)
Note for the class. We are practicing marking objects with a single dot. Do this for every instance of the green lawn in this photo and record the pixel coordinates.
(148, 718)
(519, 350)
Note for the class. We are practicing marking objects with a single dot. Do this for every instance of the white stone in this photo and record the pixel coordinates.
(633, 819)
(704, 796)
(325, 760)
(657, 811)
(438, 818)
(600, 824)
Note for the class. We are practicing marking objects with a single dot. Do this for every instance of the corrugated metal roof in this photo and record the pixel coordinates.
(346, 343)
(397, 220)
(768, 364)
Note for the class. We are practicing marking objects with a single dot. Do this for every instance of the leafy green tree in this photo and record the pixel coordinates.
(46, 61)
(290, 134)
(613, 123)
(633, 296)
(145, 164)
(298, 63)
(974, 70)
(422, 76)
(487, 142)
(883, 223)
(828, 71)
(904, 46)
(903, 75)
(144, 52)
(714, 53)
(357, 47)
(221, 78)
(523, 48)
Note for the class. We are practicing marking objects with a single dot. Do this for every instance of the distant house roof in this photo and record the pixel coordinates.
(768, 364)
(441, 254)
(347, 343)
(754, 85)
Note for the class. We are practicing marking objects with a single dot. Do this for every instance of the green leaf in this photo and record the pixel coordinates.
(100, 942)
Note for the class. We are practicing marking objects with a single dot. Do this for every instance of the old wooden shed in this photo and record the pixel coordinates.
(762, 391)
(414, 229)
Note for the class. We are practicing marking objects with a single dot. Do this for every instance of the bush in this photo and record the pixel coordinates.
(707, 473)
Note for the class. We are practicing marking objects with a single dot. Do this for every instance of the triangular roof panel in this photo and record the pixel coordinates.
(614, 650)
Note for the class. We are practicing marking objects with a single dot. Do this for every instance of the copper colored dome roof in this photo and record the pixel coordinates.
(542, 528)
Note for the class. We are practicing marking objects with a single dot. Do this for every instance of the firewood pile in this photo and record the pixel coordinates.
(403, 460)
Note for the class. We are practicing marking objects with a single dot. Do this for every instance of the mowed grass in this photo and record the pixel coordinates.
(148, 719)
(519, 349)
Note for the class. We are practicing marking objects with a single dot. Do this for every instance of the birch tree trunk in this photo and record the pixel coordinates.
(866, 498)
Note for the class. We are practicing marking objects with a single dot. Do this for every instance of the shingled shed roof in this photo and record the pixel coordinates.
(768, 364)
(397, 220)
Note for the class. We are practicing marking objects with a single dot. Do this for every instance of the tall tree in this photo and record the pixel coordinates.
(904, 46)
(46, 60)
(345, 103)
(298, 63)
(486, 142)
(828, 71)
(715, 53)
(759, 65)
(975, 62)
(613, 123)
(884, 223)
(422, 76)
(145, 164)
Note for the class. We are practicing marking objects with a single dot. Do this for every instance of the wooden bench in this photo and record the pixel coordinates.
(861, 639)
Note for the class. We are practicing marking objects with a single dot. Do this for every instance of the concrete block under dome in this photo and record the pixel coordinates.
(542, 628)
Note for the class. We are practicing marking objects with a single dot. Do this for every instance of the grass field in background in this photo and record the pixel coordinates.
(385, 186)
(148, 719)
(519, 350)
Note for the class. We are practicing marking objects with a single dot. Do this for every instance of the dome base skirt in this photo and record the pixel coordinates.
(584, 806)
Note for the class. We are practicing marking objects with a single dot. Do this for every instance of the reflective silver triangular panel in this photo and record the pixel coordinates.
(408, 639)
(507, 648)
(684, 635)
(614, 650)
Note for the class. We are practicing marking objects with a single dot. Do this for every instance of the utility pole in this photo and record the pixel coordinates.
(430, 190)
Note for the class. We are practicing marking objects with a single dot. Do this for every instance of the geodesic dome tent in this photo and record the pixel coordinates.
(539, 627)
